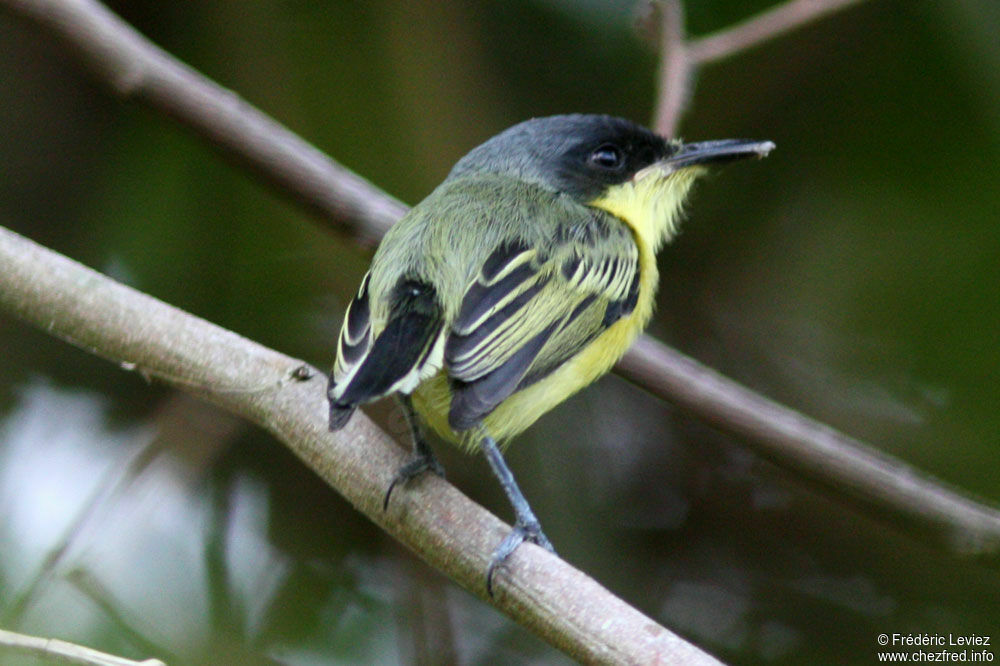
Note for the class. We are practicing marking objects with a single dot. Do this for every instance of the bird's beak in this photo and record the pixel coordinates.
(708, 152)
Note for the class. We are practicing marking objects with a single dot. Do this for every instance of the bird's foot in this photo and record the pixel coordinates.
(531, 531)
(421, 462)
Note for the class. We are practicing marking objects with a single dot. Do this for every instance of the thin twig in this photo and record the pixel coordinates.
(673, 78)
(679, 57)
(446, 529)
(70, 653)
(881, 484)
(676, 377)
(760, 28)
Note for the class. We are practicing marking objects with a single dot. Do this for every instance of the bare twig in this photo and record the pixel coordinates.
(674, 68)
(679, 57)
(445, 528)
(70, 653)
(676, 377)
(879, 482)
(766, 25)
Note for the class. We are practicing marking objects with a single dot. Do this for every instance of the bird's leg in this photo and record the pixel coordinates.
(421, 460)
(526, 525)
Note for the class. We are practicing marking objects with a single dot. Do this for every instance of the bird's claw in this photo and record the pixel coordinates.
(416, 466)
(519, 534)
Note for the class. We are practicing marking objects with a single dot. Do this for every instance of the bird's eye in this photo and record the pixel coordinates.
(607, 156)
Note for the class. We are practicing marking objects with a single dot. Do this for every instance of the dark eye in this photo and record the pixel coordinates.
(607, 156)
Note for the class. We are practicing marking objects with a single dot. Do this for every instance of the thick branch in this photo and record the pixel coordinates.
(435, 520)
(109, 46)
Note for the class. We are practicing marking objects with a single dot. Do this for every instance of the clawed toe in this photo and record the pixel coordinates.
(412, 469)
(519, 534)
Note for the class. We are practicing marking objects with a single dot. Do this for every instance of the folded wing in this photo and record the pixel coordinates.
(529, 310)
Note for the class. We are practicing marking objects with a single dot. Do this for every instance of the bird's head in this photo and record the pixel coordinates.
(608, 163)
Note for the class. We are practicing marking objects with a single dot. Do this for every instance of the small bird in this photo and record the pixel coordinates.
(519, 280)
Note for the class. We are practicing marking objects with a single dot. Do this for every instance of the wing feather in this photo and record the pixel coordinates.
(531, 309)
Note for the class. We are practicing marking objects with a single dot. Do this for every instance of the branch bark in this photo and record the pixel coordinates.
(881, 484)
(286, 397)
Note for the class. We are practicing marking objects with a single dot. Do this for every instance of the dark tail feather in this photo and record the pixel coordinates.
(402, 346)
(340, 415)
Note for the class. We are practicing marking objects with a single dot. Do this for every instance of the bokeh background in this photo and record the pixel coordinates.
(853, 275)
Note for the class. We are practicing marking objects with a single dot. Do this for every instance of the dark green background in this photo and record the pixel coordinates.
(852, 275)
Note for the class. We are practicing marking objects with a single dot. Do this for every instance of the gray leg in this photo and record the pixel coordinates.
(422, 460)
(526, 526)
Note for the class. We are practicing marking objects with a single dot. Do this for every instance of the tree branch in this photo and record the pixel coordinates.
(882, 484)
(879, 483)
(281, 394)
(675, 70)
(679, 57)
(134, 67)
(70, 653)
(766, 25)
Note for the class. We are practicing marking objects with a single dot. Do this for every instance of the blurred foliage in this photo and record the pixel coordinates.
(853, 275)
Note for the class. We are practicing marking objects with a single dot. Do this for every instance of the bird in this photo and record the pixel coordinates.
(522, 278)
